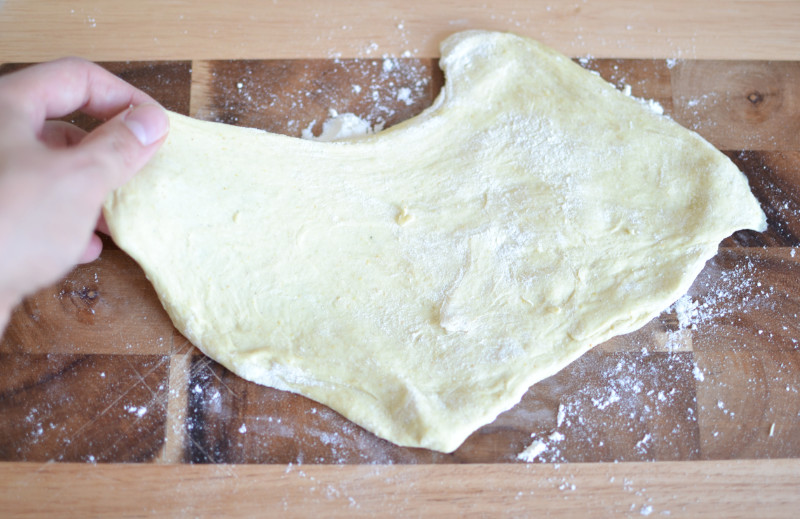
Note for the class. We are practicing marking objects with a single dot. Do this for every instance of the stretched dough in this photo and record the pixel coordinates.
(419, 280)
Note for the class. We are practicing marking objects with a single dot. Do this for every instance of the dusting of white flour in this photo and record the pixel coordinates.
(340, 127)
(650, 104)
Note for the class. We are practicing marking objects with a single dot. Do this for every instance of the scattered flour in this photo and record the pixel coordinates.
(686, 311)
(539, 446)
(379, 91)
(642, 444)
(651, 104)
(340, 127)
(138, 411)
(532, 451)
(698, 373)
(404, 95)
(560, 415)
(733, 291)
(606, 400)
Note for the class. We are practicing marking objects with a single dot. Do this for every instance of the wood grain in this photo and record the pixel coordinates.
(731, 490)
(247, 29)
(748, 298)
(285, 96)
(106, 307)
(775, 180)
(648, 79)
(613, 407)
(747, 354)
(748, 403)
(649, 395)
(740, 106)
(82, 408)
(176, 426)
(88, 354)
(53, 371)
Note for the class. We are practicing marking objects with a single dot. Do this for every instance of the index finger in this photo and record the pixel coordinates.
(57, 88)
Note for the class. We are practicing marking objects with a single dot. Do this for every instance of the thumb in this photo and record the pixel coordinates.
(119, 148)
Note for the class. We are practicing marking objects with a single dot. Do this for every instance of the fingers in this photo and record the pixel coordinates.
(95, 245)
(116, 150)
(112, 153)
(55, 176)
(55, 89)
(60, 134)
(93, 250)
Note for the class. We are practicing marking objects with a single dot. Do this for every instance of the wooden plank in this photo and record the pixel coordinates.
(241, 29)
(82, 407)
(646, 78)
(289, 96)
(77, 414)
(176, 432)
(603, 407)
(748, 297)
(630, 399)
(742, 105)
(746, 346)
(748, 403)
(107, 306)
(612, 399)
(731, 489)
(775, 180)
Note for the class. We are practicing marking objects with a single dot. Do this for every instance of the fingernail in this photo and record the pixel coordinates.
(147, 122)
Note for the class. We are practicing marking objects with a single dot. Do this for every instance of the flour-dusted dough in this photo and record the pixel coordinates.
(421, 279)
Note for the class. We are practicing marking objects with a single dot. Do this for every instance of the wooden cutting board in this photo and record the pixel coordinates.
(94, 372)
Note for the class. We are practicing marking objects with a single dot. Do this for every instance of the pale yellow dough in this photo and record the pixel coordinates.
(419, 280)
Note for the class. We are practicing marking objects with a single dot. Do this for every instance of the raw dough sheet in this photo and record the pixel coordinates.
(421, 279)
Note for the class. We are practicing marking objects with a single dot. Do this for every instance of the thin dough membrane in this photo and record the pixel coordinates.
(419, 280)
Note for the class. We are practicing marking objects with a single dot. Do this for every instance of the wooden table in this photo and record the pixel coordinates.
(105, 410)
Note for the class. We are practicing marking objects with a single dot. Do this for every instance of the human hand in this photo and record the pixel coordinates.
(54, 176)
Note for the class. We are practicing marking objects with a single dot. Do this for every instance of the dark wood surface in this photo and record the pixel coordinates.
(95, 372)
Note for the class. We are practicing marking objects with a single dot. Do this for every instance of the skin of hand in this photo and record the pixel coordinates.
(54, 176)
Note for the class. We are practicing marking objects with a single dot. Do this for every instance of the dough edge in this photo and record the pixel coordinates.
(453, 48)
